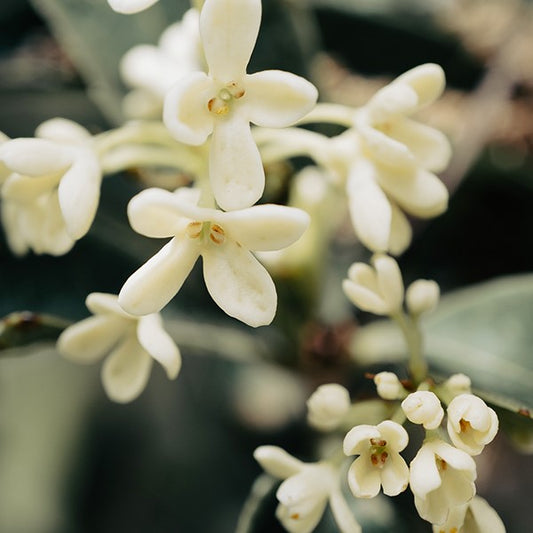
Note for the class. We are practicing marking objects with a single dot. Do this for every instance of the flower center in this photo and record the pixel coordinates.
(202, 230)
(222, 102)
(465, 425)
(442, 465)
(378, 452)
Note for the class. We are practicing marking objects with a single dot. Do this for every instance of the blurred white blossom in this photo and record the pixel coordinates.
(132, 343)
(130, 6)
(225, 101)
(235, 279)
(388, 386)
(422, 296)
(327, 406)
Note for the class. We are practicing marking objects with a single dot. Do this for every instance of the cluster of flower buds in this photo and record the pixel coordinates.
(441, 475)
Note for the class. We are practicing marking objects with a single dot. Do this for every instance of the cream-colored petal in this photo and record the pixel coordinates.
(357, 440)
(302, 517)
(424, 476)
(276, 99)
(265, 227)
(235, 166)
(400, 231)
(390, 283)
(427, 80)
(430, 147)
(239, 284)
(364, 298)
(153, 285)
(79, 193)
(35, 157)
(364, 478)
(391, 101)
(102, 303)
(365, 275)
(185, 111)
(62, 130)
(156, 213)
(27, 188)
(10, 213)
(50, 232)
(395, 434)
(229, 30)
(370, 209)
(158, 343)
(126, 371)
(130, 6)
(481, 518)
(420, 193)
(277, 462)
(394, 475)
(89, 340)
(342, 513)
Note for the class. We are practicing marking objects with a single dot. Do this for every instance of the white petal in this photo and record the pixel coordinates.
(229, 30)
(62, 130)
(427, 80)
(302, 517)
(364, 298)
(153, 285)
(370, 209)
(483, 517)
(35, 157)
(101, 303)
(390, 283)
(10, 213)
(265, 227)
(158, 343)
(239, 284)
(396, 436)
(420, 193)
(235, 166)
(394, 475)
(392, 101)
(185, 111)
(424, 476)
(156, 213)
(357, 440)
(27, 188)
(50, 232)
(400, 232)
(89, 340)
(364, 479)
(277, 462)
(276, 99)
(130, 6)
(79, 193)
(126, 371)
(342, 513)
(429, 146)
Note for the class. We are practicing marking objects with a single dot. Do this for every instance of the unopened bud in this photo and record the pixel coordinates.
(422, 296)
(327, 406)
(388, 386)
(423, 407)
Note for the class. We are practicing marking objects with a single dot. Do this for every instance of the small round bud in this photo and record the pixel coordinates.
(388, 386)
(327, 406)
(458, 384)
(423, 407)
(422, 296)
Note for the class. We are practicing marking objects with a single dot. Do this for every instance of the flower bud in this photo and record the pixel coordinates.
(388, 386)
(422, 296)
(423, 407)
(327, 406)
(471, 423)
(458, 384)
(378, 290)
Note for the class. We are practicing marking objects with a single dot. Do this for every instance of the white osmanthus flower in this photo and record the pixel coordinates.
(472, 424)
(379, 462)
(235, 279)
(132, 343)
(458, 384)
(226, 100)
(422, 296)
(441, 478)
(152, 70)
(129, 7)
(423, 407)
(378, 290)
(388, 386)
(399, 157)
(51, 196)
(475, 517)
(306, 491)
(327, 406)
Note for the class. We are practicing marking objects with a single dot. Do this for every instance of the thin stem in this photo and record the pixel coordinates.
(413, 339)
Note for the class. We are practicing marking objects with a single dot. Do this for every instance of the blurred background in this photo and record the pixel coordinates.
(179, 459)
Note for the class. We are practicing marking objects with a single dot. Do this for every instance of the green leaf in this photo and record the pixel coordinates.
(24, 328)
(484, 331)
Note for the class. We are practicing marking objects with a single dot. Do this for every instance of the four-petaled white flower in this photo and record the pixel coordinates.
(51, 197)
(306, 491)
(129, 7)
(399, 158)
(379, 462)
(472, 424)
(441, 478)
(132, 343)
(327, 406)
(235, 279)
(378, 290)
(477, 516)
(152, 70)
(226, 100)
(423, 407)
